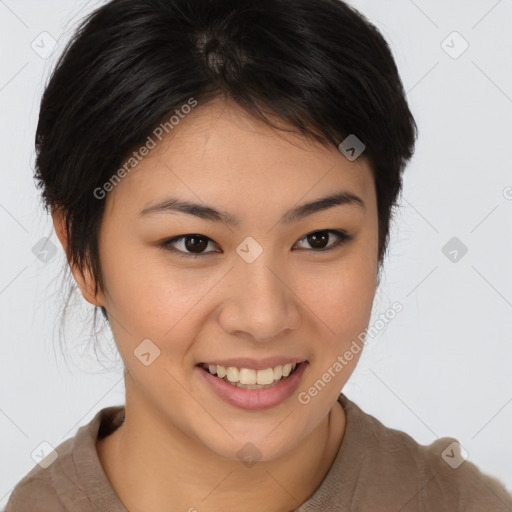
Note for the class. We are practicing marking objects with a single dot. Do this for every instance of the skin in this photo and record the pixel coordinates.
(178, 446)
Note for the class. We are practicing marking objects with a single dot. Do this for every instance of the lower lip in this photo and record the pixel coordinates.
(255, 399)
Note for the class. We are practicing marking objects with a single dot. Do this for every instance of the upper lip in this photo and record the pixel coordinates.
(256, 364)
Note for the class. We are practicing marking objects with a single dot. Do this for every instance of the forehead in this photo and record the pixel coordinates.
(220, 153)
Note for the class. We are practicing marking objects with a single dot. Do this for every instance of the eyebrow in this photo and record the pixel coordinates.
(173, 205)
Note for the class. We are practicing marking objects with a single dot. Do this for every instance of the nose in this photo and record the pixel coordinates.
(260, 303)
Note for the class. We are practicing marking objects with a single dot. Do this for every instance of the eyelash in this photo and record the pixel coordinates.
(343, 236)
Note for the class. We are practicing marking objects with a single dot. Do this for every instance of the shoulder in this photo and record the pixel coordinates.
(419, 477)
(458, 480)
(36, 491)
(34, 494)
(66, 477)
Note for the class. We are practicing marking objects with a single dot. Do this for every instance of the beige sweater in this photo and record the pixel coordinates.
(377, 469)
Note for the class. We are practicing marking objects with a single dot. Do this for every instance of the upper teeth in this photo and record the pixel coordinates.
(250, 376)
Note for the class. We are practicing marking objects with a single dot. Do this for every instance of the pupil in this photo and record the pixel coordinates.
(321, 236)
(192, 243)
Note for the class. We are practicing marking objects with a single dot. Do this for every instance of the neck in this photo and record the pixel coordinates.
(152, 465)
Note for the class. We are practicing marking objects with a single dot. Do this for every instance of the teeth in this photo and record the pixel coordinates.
(233, 374)
(249, 376)
(246, 376)
(263, 376)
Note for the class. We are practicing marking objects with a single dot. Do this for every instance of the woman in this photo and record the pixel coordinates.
(222, 175)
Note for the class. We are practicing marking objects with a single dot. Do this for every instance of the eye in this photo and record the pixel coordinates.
(318, 239)
(194, 245)
(191, 242)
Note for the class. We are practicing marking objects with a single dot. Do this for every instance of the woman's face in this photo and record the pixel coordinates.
(259, 288)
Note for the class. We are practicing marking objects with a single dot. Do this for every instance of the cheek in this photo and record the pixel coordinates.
(147, 292)
(340, 299)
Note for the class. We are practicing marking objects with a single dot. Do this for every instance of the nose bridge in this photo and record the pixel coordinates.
(260, 303)
(260, 284)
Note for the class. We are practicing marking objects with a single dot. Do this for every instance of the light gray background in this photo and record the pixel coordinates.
(442, 367)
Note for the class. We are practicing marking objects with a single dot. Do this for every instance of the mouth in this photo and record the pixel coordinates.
(248, 388)
(250, 378)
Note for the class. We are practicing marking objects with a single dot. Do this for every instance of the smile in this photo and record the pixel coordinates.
(240, 387)
(249, 378)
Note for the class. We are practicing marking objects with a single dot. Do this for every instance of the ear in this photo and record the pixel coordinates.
(86, 284)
